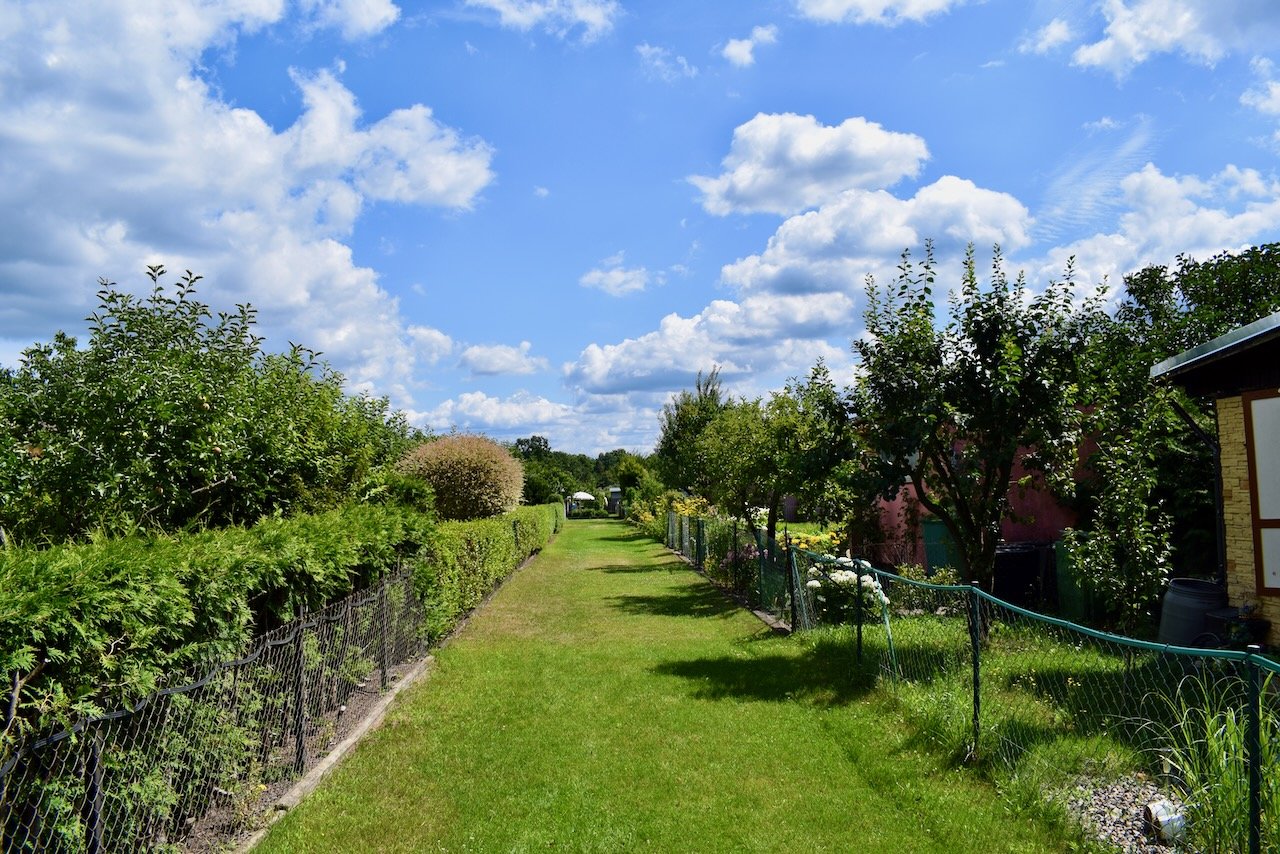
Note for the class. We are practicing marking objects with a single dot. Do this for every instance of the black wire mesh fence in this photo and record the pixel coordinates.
(192, 766)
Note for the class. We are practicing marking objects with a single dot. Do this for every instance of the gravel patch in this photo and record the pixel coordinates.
(1112, 811)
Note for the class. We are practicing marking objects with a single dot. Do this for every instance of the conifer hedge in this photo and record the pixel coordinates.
(87, 628)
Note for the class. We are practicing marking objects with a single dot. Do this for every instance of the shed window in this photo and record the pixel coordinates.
(1262, 441)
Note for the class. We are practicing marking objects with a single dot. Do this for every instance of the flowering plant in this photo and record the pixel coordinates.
(836, 591)
(692, 505)
(820, 542)
(739, 558)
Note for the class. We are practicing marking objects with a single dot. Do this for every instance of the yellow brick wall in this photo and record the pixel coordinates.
(1237, 511)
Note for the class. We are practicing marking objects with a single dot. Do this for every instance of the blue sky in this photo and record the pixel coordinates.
(546, 216)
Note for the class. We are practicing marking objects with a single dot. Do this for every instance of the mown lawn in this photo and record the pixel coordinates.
(608, 699)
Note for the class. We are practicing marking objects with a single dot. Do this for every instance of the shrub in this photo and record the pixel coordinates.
(464, 560)
(170, 418)
(472, 477)
(93, 626)
(650, 515)
(590, 513)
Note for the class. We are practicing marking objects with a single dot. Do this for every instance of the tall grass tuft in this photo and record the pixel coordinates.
(1207, 751)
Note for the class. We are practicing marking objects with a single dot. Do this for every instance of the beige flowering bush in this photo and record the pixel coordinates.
(473, 477)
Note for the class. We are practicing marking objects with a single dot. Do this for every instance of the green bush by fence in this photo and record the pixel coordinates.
(463, 560)
(91, 626)
(199, 756)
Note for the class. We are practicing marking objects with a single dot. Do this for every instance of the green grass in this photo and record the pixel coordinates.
(1059, 709)
(608, 699)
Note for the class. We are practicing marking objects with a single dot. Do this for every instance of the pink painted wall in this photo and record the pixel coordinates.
(1040, 518)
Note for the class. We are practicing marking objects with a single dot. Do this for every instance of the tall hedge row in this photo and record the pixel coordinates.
(86, 628)
(465, 559)
(92, 625)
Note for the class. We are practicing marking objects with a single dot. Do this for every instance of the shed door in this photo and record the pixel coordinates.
(1262, 440)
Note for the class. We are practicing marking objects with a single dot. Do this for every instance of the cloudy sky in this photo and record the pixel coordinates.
(545, 216)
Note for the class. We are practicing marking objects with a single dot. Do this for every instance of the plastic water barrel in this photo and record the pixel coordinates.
(1186, 605)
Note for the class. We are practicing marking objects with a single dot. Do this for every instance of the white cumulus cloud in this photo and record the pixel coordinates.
(1168, 215)
(502, 359)
(1202, 30)
(884, 12)
(615, 279)
(114, 153)
(560, 17)
(432, 345)
(784, 163)
(741, 52)
(1048, 38)
(406, 157)
(354, 18)
(475, 410)
(762, 336)
(1265, 98)
(862, 232)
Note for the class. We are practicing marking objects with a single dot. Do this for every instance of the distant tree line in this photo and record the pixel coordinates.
(551, 475)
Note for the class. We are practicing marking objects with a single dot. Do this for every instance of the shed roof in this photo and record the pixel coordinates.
(1244, 359)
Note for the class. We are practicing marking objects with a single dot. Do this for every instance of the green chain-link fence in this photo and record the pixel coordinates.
(1067, 711)
(737, 558)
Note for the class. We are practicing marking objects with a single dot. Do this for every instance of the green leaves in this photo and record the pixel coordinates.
(1147, 506)
(472, 477)
(953, 408)
(678, 459)
(170, 418)
(108, 620)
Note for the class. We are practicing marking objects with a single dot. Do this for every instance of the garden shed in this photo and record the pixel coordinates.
(1240, 371)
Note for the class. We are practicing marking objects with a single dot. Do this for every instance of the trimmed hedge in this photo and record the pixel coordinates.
(472, 477)
(89, 627)
(591, 513)
(464, 560)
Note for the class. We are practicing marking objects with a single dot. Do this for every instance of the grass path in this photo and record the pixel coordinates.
(608, 699)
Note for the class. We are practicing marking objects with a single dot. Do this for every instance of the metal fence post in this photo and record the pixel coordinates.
(299, 700)
(94, 796)
(1254, 738)
(382, 654)
(857, 610)
(791, 581)
(975, 643)
(761, 558)
(700, 551)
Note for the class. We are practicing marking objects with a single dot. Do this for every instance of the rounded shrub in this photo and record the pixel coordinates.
(472, 477)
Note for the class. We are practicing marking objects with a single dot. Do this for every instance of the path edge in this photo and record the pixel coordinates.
(776, 625)
(311, 780)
